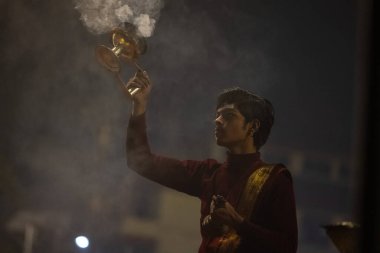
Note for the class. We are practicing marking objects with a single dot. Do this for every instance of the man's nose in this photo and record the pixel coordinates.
(219, 121)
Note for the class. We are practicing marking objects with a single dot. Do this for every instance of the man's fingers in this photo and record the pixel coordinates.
(139, 80)
(132, 85)
(219, 214)
(143, 77)
(123, 85)
(146, 76)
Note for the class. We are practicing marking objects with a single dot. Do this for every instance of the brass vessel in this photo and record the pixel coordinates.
(127, 47)
(344, 235)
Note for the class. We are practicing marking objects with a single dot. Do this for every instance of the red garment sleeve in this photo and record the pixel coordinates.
(184, 176)
(280, 231)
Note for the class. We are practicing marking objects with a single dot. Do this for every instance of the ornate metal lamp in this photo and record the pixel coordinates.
(127, 47)
(344, 235)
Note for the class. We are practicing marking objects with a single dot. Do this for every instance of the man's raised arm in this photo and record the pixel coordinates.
(184, 176)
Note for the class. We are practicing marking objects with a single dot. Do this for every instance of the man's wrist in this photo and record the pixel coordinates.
(138, 109)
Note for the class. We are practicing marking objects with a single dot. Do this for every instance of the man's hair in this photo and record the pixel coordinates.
(251, 106)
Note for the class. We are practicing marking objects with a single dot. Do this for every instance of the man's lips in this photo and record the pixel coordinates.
(218, 131)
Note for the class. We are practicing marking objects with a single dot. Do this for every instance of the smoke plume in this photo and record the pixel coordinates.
(101, 16)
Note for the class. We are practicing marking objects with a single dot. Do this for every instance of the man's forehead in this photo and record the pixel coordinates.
(227, 107)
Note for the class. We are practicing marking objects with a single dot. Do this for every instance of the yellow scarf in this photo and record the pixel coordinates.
(230, 241)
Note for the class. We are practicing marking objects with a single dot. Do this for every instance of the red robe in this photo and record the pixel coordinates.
(272, 227)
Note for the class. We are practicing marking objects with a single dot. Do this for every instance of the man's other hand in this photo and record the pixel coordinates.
(226, 214)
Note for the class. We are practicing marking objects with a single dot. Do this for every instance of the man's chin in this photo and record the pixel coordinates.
(219, 142)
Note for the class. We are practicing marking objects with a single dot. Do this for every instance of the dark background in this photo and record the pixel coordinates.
(63, 117)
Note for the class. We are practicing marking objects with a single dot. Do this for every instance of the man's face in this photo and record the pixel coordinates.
(230, 127)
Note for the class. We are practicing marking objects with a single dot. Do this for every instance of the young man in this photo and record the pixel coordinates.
(246, 204)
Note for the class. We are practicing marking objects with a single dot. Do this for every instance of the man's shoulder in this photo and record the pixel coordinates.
(280, 177)
(277, 169)
(279, 181)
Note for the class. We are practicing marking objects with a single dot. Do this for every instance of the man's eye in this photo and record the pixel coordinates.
(228, 115)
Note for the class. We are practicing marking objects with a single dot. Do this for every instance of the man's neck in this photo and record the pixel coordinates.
(243, 149)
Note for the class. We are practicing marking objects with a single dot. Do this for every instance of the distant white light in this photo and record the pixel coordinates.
(82, 242)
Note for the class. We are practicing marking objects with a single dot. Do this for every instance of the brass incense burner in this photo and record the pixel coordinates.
(127, 47)
(344, 235)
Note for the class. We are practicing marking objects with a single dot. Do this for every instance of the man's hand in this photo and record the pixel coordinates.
(140, 97)
(225, 214)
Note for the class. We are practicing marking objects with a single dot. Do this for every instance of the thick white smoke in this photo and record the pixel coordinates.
(101, 16)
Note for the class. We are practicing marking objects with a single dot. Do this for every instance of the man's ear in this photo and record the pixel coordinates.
(254, 126)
